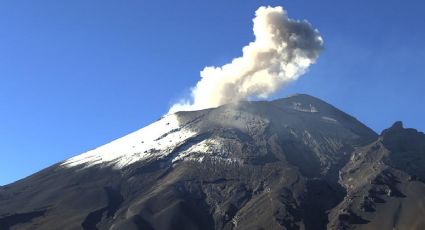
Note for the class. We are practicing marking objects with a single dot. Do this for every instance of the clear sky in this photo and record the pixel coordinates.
(76, 74)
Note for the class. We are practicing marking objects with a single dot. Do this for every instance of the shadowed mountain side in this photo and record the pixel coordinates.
(384, 181)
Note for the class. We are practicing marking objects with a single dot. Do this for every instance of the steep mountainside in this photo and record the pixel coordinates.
(292, 163)
(385, 185)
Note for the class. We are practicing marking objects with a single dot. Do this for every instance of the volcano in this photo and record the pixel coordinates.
(291, 163)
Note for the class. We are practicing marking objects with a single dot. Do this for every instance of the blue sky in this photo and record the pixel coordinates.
(76, 74)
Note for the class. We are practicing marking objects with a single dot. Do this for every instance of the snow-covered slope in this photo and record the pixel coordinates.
(161, 138)
(155, 140)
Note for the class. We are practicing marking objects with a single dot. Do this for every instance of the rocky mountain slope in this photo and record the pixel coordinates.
(293, 163)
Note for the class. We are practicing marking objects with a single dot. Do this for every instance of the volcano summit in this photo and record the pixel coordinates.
(292, 163)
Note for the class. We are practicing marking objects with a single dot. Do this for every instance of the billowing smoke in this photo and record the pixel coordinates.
(283, 50)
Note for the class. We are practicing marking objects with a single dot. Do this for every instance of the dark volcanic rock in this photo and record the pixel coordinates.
(380, 180)
(407, 148)
(293, 163)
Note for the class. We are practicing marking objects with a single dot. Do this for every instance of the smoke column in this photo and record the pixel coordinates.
(283, 50)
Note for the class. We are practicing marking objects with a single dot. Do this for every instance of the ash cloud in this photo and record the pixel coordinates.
(282, 51)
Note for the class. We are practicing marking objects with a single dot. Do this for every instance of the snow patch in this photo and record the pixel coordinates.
(197, 151)
(330, 119)
(304, 108)
(155, 140)
(211, 149)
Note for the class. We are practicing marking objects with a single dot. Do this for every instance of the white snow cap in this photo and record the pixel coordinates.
(283, 50)
(155, 140)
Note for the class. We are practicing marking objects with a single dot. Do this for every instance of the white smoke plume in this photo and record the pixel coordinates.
(283, 50)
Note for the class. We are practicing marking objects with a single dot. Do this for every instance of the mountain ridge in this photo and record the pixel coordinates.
(291, 163)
